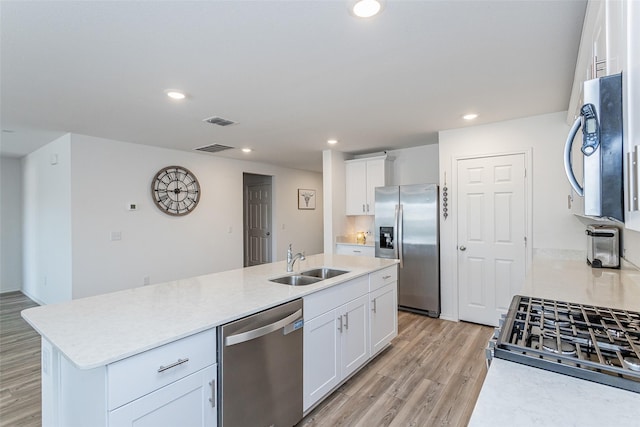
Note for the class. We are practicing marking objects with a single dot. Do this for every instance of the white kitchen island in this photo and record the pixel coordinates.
(101, 344)
(520, 395)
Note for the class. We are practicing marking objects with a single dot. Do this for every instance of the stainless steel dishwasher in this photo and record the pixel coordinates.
(260, 362)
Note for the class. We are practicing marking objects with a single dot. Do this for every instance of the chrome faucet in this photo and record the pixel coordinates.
(291, 258)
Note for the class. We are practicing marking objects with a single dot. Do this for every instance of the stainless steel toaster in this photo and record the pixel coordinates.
(603, 246)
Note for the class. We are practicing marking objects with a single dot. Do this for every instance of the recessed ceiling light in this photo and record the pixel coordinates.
(332, 141)
(366, 8)
(175, 94)
(246, 150)
(470, 116)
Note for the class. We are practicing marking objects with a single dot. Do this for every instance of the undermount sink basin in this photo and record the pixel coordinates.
(296, 280)
(323, 273)
(308, 277)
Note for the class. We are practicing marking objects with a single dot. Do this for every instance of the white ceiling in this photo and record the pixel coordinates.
(292, 74)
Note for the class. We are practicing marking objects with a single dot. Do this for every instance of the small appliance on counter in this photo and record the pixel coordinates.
(603, 246)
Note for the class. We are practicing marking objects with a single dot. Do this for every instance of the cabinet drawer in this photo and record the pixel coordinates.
(379, 278)
(358, 250)
(143, 373)
(328, 299)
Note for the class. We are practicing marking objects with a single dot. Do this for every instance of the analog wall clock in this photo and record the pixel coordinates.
(175, 190)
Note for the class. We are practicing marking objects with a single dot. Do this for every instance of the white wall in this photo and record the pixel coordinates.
(46, 196)
(107, 175)
(554, 227)
(416, 165)
(10, 224)
(333, 176)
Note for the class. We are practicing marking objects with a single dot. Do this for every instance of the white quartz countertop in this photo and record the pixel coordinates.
(523, 396)
(520, 395)
(575, 281)
(99, 330)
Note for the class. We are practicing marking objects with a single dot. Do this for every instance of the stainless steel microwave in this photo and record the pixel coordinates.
(602, 150)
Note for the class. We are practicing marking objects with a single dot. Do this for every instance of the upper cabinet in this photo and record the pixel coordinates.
(631, 105)
(362, 177)
(603, 46)
(610, 44)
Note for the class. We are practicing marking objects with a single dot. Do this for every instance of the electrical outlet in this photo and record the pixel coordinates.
(116, 235)
(145, 280)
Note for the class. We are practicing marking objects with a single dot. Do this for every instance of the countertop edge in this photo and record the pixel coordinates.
(35, 316)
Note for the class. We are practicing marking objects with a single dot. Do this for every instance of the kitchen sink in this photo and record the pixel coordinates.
(323, 273)
(296, 280)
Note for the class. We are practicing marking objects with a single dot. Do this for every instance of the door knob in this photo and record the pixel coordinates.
(268, 233)
(463, 248)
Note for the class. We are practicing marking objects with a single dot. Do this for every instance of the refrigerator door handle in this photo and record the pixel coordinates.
(399, 243)
(395, 233)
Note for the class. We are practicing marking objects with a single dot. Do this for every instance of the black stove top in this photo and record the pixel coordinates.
(594, 343)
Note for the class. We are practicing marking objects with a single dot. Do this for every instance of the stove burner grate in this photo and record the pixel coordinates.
(595, 343)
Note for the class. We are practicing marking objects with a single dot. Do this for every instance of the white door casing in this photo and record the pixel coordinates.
(491, 234)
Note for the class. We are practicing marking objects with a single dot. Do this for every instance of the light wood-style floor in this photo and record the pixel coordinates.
(430, 376)
(19, 364)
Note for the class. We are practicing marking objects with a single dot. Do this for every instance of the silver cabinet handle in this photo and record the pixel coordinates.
(363, 208)
(374, 308)
(463, 248)
(367, 207)
(340, 327)
(173, 365)
(346, 321)
(264, 330)
(386, 277)
(212, 399)
(356, 252)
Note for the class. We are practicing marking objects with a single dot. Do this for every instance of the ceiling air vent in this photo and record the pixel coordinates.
(218, 121)
(213, 148)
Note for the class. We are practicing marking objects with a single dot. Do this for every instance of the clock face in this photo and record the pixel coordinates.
(175, 190)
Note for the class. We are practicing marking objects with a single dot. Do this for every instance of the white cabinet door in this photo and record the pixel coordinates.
(190, 401)
(383, 323)
(362, 177)
(376, 177)
(355, 335)
(356, 187)
(632, 111)
(321, 363)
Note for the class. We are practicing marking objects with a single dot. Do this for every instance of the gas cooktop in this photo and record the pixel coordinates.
(594, 343)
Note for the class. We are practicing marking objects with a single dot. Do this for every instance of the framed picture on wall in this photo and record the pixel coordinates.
(306, 199)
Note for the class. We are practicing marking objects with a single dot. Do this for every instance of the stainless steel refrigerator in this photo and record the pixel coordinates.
(406, 228)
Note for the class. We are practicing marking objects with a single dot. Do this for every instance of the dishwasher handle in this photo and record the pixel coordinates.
(261, 331)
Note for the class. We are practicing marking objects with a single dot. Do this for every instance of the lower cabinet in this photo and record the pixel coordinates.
(357, 250)
(336, 344)
(383, 320)
(171, 385)
(190, 401)
(344, 327)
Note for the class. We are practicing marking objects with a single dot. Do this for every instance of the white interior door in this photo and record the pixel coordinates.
(491, 216)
